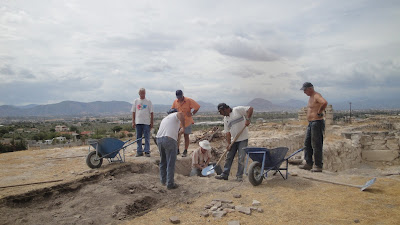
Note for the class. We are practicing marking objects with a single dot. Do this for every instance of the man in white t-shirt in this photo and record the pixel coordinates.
(142, 121)
(167, 143)
(234, 121)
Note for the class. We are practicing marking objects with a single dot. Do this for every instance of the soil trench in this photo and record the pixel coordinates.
(119, 192)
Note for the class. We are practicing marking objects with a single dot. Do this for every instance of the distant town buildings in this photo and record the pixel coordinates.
(60, 128)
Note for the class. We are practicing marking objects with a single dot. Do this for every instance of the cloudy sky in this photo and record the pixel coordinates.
(215, 51)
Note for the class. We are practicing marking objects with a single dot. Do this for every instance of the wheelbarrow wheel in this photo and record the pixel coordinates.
(93, 161)
(255, 175)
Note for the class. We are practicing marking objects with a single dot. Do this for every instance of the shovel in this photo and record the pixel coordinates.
(362, 187)
(212, 168)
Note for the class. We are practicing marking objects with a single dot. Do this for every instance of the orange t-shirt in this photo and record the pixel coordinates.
(185, 107)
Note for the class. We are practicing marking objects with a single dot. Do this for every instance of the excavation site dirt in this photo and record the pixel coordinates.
(55, 186)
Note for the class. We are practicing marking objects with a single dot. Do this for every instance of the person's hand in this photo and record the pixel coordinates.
(247, 122)
(151, 125)
(228, 148)
(181, 130)
(133, 124)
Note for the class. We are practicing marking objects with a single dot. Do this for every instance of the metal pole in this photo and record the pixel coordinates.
(350, 111)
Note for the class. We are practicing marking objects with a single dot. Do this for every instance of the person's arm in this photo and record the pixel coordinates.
(151, 120)
(207, 162)
(195, 160)
(194, 112)
(194, 105)
(228, 140)
(323, 103)
(181, 118)
(133, 120)
(249, 113)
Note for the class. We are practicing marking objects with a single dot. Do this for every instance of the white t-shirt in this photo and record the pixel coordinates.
(169, 127)
(143, 109)
(235, 122)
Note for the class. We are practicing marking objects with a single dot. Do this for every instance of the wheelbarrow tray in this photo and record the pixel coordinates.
(265, 160)
(108, 147)
(271, 157)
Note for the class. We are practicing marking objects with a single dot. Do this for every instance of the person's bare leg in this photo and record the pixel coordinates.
(179, 142)
(186, 136)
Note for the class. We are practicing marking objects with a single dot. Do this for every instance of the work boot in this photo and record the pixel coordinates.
(317, 169)
(178, 152)
(239, 179)
(147, 154)
(138, 154)
(221, 177)
(305, 167)
(184, 154)
(174, 186)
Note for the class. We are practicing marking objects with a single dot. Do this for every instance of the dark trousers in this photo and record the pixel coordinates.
(314, 142)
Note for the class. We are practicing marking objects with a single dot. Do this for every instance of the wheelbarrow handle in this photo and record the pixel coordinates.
(230, 145)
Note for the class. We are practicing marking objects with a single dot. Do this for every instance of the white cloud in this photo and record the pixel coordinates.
(231, 51)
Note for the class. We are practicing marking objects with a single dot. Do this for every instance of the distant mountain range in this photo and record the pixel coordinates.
(110, 108)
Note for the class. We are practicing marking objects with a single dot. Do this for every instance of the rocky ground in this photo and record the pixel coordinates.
(130, 192)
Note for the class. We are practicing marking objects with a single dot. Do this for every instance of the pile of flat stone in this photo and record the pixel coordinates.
(220, 207)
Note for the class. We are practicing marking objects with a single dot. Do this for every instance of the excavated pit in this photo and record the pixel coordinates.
(123, 192)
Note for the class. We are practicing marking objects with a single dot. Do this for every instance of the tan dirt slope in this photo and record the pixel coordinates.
(130, 193)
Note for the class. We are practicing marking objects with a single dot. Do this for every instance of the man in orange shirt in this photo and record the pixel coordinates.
(185, 105)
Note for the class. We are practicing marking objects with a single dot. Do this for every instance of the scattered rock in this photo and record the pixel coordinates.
(228, 210)
(219, 214)
(174, 220)
(356, 221)
(256, 203)
(218, 204)
(223, 200)
(237, 195)
(260, 210)
(214, 208)
(208, 206)
(245, 210)
(253, 208)
(234, 222)
(204, 214)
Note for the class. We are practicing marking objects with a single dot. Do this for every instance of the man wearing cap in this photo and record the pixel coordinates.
(185, 105)
(167, 137)
(234, 121)
(142, 121)
(200, 158)
(315, 131)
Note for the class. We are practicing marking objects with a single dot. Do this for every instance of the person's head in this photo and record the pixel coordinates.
(205, 146)
(142, 93)
(172, 111)
(224, 109)
(307, 88)
(179, 95)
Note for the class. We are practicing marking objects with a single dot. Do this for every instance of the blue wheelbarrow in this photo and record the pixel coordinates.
(108, 148)
(266, 160)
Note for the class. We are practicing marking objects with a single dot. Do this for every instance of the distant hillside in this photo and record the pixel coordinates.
(68, 108)
(262, 105)
(72, 108)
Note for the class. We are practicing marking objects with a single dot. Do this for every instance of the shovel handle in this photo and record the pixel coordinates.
(230, 145)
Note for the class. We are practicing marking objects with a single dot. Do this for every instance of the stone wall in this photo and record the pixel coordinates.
(376, 146)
